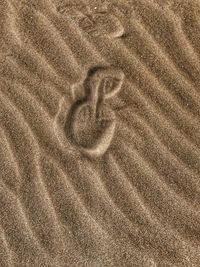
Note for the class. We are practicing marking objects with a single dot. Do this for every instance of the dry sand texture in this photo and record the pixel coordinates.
(100, 133)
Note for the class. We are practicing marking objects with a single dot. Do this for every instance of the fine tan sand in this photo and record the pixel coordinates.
(99, 133)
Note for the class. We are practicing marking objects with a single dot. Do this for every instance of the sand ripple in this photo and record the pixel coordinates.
(137, 202)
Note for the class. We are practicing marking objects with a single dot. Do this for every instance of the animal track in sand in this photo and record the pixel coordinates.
(90, 122)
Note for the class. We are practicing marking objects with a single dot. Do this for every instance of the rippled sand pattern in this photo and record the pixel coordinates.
(100, 133)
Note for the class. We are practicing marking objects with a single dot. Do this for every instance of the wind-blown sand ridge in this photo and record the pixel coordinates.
(127, 194)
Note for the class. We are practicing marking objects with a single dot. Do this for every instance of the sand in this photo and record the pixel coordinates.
(100, 133)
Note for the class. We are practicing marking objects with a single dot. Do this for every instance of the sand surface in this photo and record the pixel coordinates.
(100, 133)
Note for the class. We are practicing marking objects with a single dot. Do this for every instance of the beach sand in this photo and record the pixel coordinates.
(100, 133)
